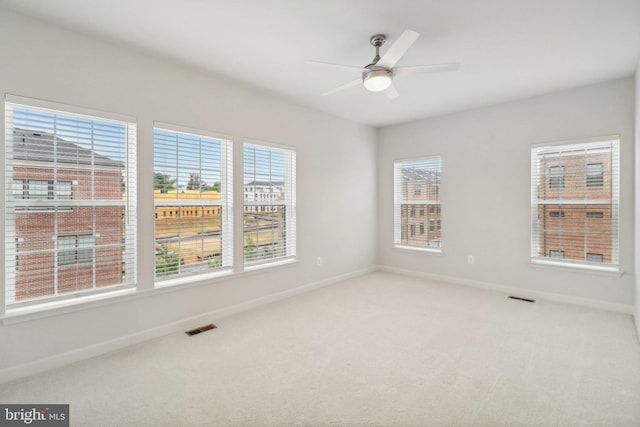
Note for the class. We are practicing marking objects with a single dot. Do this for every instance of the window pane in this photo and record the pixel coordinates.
(18, 189)
(556, 177)
(594, 175)
(594, 257)
(38, 189)
(63, 190)
(269, 203)
(192, 190)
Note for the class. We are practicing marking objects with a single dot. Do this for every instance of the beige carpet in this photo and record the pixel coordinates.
(379, 350)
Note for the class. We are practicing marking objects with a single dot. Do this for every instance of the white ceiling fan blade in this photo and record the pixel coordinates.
(344, 86)
(391, 92)
(433, 68)
(349, 68)
(398, 49)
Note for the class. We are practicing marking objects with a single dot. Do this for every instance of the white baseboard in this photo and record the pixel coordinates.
(521, 292)
(59, 360)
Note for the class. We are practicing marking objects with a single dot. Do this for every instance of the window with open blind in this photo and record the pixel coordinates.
(193, 202)
(70, 202)
(417, 207)
(269, 203)
(575, 203)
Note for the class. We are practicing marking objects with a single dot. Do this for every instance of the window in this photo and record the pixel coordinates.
(192, 174)
(594, 258)
(37, 189)
(575, 201)
(595, 177)
(417, 190)
(63, 190)
(74, 250)
(596, 215)
(556, 177)
(425, 173)
(556, 254)
(56, 153)
(41, 190)
(269, 225)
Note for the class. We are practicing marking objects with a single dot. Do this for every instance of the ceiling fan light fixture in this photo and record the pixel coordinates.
(377, 80)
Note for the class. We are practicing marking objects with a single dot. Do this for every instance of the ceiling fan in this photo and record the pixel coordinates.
(378, 75)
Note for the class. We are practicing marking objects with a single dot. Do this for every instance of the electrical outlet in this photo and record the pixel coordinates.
(471, 259)
(319, 261)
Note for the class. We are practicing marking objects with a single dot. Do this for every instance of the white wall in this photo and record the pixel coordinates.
(637, 197)
(335, 221)
(486, 189)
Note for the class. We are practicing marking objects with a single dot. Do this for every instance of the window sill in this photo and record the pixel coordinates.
(50, 309)
(268, 264)
(577, 268)
(192, 279)
(46, 309)
(430, 251)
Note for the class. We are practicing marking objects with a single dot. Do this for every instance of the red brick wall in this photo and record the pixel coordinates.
(36, 231)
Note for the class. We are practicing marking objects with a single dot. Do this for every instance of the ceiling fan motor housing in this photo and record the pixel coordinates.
(376, 79)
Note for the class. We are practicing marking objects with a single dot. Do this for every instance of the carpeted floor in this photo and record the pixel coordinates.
(379, 350)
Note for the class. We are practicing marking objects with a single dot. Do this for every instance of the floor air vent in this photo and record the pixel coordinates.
(201, 329)
(522, 299)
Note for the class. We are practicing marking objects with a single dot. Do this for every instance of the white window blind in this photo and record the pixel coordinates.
(417, 202)
(575, 219)
(70, 202)
(269, 203)
(193, 202)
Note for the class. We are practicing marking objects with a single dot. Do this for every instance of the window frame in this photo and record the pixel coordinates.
(430, 203)
(26, 204)
(186, 208)
(267, 204)
(610, 142)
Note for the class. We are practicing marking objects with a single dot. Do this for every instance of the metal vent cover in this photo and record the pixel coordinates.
(201, 329)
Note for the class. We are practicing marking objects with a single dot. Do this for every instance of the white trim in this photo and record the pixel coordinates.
(605, 269)
(262, 264)
(263, 143)
(406, 248)
(522, 292)
(41, 104)
(199, 133)
(70, 305)
(576, 141)
(56, 361)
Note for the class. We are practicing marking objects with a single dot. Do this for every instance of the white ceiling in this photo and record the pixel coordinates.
(508, 49)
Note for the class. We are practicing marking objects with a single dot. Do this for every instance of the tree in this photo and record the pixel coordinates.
(167, 262)
(214, 187)
(214, 262)
(250, 250)
(163, 182)
(195, 182)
